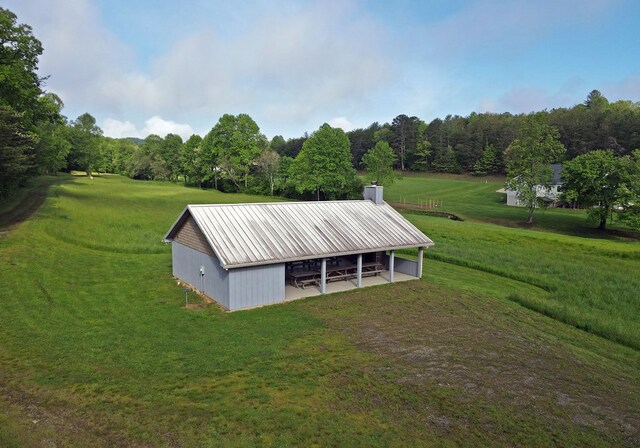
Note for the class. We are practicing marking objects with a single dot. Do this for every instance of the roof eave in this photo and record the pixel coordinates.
(312, 257)
(167, 238)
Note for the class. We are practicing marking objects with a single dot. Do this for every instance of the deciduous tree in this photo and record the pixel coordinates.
(53, 144)
(268, 163)
(378, 163)
(324, 165)
(192, 167)
(232, 146)
(83, 136)
(20, 85)
(528, 160)
(600, 181)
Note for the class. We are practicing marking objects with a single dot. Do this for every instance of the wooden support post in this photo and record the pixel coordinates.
(392, 255)
(359, 270)
(420, 256)
(323, 276)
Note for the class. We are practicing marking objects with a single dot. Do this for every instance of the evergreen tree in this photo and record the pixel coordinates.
(488, 163)
(16, 146)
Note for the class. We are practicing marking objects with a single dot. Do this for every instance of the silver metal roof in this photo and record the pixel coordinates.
(264, 233)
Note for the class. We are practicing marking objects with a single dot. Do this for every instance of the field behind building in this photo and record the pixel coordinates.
(96, 348)
(476, 198)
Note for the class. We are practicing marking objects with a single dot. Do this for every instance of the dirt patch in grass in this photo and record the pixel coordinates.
(484, 366)
(43, 420)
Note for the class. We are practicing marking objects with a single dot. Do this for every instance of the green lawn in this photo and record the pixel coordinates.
(593, 284)
(475, 198)
(96, 349)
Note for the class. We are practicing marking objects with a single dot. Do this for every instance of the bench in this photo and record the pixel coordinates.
(300, 279)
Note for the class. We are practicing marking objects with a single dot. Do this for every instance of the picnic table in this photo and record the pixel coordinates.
(341, 271)
(300, 279)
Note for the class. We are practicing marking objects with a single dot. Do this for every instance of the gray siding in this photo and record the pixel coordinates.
(186, 267)
(256, 286)
(405, 266)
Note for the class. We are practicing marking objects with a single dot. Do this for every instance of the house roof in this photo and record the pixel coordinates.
(265, 233)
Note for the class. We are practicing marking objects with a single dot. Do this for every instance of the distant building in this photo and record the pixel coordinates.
(550, 195)
(249, 255)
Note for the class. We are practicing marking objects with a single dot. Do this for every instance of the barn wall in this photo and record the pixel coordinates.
(256, 286)
(186, 267)
(405, 266)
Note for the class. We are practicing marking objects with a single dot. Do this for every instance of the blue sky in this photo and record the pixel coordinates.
(145, 67)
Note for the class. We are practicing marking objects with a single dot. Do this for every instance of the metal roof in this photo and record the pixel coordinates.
(255, 234)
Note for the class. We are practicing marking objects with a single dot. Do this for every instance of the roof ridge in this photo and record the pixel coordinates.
(342, 201)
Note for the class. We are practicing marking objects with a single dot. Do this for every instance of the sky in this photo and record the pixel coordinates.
(143, 66)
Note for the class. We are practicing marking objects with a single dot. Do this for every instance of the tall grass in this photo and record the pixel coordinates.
(588, 283)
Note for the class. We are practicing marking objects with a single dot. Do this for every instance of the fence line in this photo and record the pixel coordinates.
(423, 204)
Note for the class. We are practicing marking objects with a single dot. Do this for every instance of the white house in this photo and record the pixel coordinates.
(550, 195)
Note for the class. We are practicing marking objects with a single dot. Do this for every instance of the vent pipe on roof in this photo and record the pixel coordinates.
(373, 193)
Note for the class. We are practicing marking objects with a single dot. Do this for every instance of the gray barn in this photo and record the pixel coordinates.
(249, 255)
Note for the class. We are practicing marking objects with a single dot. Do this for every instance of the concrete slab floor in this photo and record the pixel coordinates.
(293, 293)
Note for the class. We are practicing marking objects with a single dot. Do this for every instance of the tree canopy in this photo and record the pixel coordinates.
(232, 146)
(599, 180)
(378, 163)
(324, 164)
(528, 160)
(83, 136)
(20, 85)
(597, 134)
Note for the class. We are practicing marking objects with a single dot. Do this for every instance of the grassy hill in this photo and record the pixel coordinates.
(475, 198)
(96, 348)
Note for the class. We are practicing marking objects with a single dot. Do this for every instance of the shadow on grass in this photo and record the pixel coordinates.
(30, 203)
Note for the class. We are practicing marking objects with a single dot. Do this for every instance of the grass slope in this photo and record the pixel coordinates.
(95, 349)
(589, 283)
(474, 198)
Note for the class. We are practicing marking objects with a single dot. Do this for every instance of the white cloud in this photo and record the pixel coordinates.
(342, 123)
(287, 64)
(158, 126)
(79, 52)
(290, 65)
(119, 129)
(154, 125)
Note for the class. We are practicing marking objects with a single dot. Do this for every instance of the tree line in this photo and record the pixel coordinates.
(36, 138)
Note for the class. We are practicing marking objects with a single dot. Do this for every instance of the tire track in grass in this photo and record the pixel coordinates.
(468, 278)
(491, 270)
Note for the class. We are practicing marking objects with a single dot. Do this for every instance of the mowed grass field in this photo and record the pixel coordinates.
(475, 198)
(96, 348)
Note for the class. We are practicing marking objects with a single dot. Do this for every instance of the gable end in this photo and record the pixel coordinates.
(190, 235)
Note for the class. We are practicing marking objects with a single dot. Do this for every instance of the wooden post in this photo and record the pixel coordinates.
(323, 276)
(420, 256)
(359, 270)
(392, 255)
